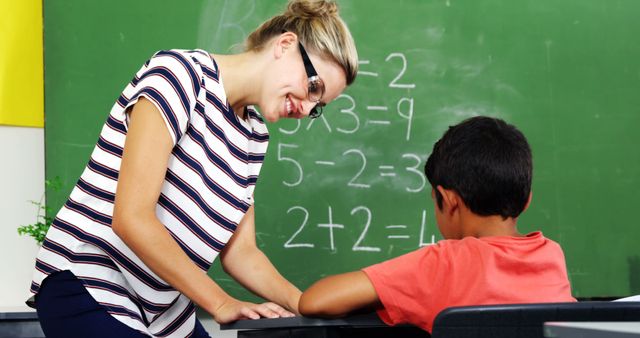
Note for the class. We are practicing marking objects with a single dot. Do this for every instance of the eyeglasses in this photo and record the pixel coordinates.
(316, 86)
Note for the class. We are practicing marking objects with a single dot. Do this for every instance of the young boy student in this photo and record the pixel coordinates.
(480, 173)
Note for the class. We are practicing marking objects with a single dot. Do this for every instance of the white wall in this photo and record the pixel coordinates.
(21, 180)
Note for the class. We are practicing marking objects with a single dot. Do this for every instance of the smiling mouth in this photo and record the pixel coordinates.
(288, 106)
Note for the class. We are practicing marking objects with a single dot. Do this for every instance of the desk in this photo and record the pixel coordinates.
(592, 329)
(19, 323)
(367, 325)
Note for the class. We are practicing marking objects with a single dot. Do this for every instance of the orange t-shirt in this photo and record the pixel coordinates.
(415, 287)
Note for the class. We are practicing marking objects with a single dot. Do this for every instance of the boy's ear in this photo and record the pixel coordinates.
(284, 42)
(450, 200)
(526, 206)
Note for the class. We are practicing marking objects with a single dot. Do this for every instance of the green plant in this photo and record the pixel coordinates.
(39, 229)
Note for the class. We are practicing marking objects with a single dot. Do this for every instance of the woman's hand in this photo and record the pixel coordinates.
(233, 310)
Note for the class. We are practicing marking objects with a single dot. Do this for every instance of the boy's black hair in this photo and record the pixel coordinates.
(487, 162)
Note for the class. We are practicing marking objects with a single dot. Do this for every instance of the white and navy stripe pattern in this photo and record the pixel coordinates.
(208, 187)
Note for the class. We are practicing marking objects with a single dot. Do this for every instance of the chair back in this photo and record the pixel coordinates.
(525, 320)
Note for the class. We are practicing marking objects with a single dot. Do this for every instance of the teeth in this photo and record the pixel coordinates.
(288, 103)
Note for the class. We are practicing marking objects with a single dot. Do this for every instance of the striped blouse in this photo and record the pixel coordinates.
(208, 187)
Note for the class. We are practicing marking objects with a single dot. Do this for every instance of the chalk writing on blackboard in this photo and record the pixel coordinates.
(365, 169)
(394, 231)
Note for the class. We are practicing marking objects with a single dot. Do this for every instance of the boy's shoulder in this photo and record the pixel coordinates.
(501, 245)
(456, 254)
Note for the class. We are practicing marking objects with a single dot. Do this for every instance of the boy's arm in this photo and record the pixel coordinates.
(339, 295)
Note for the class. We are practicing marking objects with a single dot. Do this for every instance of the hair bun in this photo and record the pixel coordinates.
(309, 9)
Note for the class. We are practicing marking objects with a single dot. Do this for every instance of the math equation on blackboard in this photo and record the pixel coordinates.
(396, 232)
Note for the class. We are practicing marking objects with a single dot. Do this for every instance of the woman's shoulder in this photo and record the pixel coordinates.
(195, 54)
(194, 60)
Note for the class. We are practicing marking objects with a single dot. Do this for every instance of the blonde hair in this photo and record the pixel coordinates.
(319, 28)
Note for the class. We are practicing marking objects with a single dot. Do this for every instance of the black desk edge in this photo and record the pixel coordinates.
(22, 315)
(356, 321)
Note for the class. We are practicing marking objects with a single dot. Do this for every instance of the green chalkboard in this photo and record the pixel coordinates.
(347, 190)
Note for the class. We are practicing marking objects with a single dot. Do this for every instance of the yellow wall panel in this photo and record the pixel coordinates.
(21, 63)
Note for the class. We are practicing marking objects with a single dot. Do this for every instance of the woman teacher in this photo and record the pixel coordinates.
(169, 185)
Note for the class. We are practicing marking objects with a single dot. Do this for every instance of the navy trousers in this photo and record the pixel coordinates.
(67, 310)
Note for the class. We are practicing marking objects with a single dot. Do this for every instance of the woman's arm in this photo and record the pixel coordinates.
(247, 264)
(144, 164)
(339, 295)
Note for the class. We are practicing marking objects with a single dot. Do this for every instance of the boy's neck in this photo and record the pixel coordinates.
(486, 226)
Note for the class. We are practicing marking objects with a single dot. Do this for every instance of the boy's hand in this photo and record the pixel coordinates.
(233, 310)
